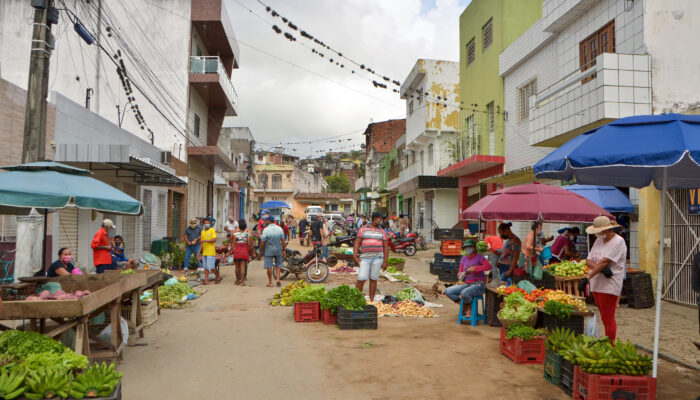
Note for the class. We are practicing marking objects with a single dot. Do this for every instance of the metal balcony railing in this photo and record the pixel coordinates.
(213, 65)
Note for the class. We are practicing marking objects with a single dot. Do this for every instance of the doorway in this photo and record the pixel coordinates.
(176, 228)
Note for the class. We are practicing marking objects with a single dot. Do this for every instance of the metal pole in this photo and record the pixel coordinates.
(34, 144)
(660, 277)
(43, 246)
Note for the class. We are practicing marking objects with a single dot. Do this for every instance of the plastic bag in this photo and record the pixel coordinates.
(592, 327)
(52, 287)
(171, 282)
(526, 286)
(536, 272)
(76, 271)
(106, 333)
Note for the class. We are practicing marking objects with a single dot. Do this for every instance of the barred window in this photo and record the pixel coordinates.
(487, 32)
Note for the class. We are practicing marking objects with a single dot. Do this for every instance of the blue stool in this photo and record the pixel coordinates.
(475, 318)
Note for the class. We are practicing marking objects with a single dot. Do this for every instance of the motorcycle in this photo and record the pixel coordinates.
(405, 245)
(316, 270)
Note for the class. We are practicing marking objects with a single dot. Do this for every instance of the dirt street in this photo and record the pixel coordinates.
(232, 345)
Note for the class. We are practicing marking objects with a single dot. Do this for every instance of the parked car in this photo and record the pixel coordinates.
(334, 220)
(313, 210)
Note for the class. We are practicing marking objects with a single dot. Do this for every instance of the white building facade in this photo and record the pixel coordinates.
(431, 91)
(588, 62)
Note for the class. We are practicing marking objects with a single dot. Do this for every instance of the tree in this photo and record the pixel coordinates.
(338, 183)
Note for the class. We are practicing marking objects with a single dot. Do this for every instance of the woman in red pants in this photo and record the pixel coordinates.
(607, 268)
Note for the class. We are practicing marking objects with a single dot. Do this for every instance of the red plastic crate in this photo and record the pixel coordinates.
(451, 248)
(306, 312)
(523, 351)
(611, 387)
(328, 318)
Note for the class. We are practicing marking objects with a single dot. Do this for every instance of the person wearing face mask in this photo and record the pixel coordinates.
(62, 266)
(471, 272)
(562, 248)
(208, 251)
(607, 267)
(101, 257)
(509, 254)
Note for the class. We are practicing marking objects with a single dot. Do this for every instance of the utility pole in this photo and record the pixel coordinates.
(34, 144)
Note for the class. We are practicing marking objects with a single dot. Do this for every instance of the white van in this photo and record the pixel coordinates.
(313, 210)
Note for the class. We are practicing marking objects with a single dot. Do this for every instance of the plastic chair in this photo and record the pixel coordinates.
(475, 318)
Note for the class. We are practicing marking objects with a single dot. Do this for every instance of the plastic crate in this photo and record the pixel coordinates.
(566, 376)
(349, 319)
(306, 312)
(448, 234)
(149, 313)
(493, 303)
(447, 276)
(612, 387)
(433, 271)
(552, 366)
(446, 266)
(451, 248)
(549, 322)
(640, 292)
(523, 351)
(327, 318)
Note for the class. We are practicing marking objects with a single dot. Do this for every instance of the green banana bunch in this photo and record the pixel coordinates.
(631, 362)
(560, 339)
(12, 383)
(99, 380)
(47, 384)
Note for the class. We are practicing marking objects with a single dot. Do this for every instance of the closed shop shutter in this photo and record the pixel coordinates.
(68, 233)
(199, 176)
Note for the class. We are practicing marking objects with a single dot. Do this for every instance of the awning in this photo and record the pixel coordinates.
(143, 171)
(472, 165)
(518, 176)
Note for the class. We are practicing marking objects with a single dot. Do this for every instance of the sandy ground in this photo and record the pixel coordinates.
(232, 345)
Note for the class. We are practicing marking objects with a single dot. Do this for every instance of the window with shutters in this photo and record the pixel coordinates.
(277, 181)
(262, 181)
(602, 41)
(525, 92)
(487, 33)
(471, 51)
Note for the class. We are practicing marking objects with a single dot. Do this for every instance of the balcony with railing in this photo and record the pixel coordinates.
(617, 86)
(210, 79)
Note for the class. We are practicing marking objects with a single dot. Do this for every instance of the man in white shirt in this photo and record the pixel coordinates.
(231, 226)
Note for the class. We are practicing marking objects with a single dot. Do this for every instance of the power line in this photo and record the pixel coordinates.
(316, 74)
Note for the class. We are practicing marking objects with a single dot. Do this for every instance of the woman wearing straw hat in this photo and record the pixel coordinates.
(607, 268)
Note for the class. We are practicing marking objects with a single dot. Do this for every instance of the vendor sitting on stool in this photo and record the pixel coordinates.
(120, 256)
(471, 271)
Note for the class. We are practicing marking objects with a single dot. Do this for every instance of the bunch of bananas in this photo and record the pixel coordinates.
(12, 383)
(99, 380)
(596, 358)
(631, 362)
(47, 384)
(284, 298)
(560, 339)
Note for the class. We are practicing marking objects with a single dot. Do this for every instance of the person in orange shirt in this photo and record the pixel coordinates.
(101, 257)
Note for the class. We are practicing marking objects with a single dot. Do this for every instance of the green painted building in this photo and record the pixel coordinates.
(486, 28)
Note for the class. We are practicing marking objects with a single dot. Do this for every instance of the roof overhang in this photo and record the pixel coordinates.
(516, 177)
(212, 155)
(472, 165)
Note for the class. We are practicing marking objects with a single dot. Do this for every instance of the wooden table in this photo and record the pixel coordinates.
(132, 286)
(569, 284)
(105, 296)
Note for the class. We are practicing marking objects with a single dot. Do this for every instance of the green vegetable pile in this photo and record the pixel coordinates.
(558, 310)
(481, 247)
(36, 351)
(284, 297)
(391, 270)
(309, 293)
(348, 298)
(522, 331)
(410, 293)
(394, 260)
(517, 307)
(169, 296)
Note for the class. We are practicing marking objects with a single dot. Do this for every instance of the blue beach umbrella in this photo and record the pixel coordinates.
(633, 151)
(608, 197)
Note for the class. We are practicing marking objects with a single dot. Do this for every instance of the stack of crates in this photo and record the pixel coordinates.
(446, 263)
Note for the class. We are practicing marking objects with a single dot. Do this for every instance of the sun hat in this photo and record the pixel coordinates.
(601, 224)
(469, 243)
(193, 222)
(108, 223)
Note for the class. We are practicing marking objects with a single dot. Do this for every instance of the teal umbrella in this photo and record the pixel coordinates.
(49, 186)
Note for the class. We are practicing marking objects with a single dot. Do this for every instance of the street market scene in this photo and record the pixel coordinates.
(187, 213)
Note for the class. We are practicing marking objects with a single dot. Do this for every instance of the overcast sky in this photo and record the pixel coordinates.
(282, 103)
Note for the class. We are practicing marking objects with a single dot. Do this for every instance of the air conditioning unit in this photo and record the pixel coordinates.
(166, 157)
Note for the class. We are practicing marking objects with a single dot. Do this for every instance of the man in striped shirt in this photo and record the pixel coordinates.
(371, 253)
